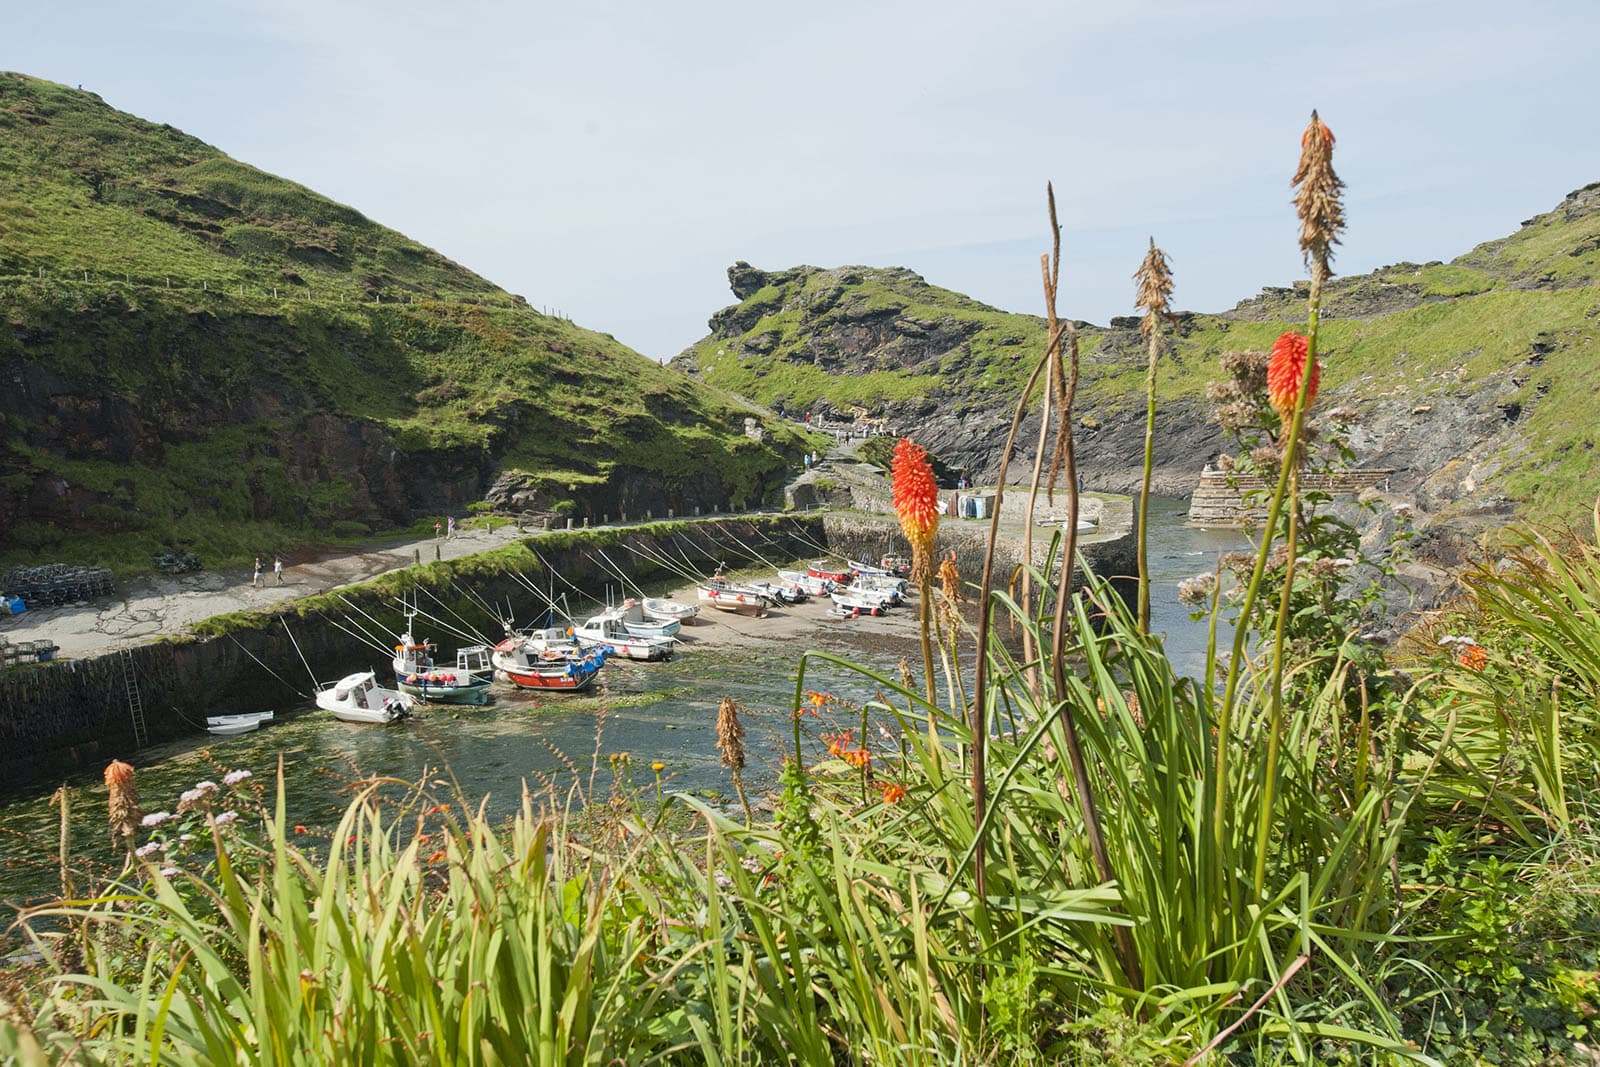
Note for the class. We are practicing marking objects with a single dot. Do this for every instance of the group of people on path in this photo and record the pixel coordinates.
(810, 460)
(277, 568)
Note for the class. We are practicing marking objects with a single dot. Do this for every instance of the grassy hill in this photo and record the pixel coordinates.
(202, 354)
(1522, 311)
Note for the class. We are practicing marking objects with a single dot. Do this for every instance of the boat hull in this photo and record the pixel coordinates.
(475, 692)
(669, 609)
(358, 699)
(550, 678)
(652, 629)
(740, 602)
(233, 725)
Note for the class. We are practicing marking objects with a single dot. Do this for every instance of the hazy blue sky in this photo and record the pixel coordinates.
(613, 158)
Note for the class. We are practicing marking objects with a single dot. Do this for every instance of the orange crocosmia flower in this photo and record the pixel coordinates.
(893, 794)
(857, 757)
(436, 857)
(817, 699)
(1284, 370)
(300, 829)
(1473, 657)
(916, 495)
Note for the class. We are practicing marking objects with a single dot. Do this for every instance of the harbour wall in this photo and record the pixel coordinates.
(70, 716)
(1219, 497)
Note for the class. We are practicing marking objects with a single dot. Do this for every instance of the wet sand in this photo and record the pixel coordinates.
(786, 629)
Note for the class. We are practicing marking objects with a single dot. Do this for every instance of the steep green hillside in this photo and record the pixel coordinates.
(1521, 314)
(199, 353)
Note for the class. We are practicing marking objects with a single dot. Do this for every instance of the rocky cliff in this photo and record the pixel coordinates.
(1473, 379)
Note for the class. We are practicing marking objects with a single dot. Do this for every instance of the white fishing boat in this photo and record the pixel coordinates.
(780, 592)
(656, 608)
(811, 585)
(727, 597)
(640, 624)
(359, 698)
(858, 568)
(885, 585)
(606, 630)
(860, 603)
(230, 725)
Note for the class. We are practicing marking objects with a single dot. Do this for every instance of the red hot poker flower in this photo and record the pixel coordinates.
(916, 502)
(1284, 370)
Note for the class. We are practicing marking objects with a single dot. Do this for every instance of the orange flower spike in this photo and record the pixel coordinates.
(893, 794)
(1284, 370)
(119, 775)
(1473, 657)
(916, 502)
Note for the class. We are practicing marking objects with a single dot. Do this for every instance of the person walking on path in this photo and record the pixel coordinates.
(450, 527)
(255, 579)
(435, 529)
(805, 457)
(277, 568)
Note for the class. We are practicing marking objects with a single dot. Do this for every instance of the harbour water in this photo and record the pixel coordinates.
(654, 712)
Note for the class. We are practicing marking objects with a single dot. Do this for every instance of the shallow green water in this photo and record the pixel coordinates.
(653, 711)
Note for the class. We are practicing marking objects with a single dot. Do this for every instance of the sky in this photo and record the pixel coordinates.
(611, 158)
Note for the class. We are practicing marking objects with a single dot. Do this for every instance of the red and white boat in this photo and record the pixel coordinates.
(533, 662)
(833, 572)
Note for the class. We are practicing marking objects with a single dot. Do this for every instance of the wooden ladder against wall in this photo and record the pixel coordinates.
(141, 736)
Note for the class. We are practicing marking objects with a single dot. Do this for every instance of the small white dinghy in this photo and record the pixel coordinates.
(657, 608)
(359, 698)
(229, 725)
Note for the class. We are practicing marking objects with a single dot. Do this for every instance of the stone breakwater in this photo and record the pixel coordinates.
(73, 715)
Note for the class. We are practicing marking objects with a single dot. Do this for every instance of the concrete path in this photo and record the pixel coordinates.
(152, 606)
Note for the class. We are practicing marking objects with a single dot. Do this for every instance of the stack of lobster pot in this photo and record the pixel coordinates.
(57, 583)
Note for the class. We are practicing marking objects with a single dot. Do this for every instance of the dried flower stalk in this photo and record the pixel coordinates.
(1154, 283)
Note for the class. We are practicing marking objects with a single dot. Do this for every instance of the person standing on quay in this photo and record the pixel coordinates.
(255, 579)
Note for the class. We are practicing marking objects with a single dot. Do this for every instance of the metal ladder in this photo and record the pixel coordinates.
(141, 736)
